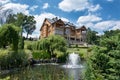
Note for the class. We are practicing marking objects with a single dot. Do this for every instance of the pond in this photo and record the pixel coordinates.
(46, 71)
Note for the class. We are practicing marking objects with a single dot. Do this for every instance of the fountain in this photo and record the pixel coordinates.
(72, 66)
(73, 61)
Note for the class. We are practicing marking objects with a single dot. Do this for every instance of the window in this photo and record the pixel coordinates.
(58, 31)
(67, 31)
(83, 32)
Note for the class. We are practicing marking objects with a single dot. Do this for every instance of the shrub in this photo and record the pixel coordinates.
(104, 63)
(29, 46)
(9, 34)
(21, 43)
(48, 45)
(76, 45)
(62, 58)
(40, 55)
(81, 55)
(12, 59)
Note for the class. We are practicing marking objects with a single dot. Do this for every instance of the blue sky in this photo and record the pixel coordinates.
(99, 15)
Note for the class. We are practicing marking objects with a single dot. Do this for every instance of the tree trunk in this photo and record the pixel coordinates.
(27, 36)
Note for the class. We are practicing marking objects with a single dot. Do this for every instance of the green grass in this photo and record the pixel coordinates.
(82, 51)
(27, 42)
(11, 59)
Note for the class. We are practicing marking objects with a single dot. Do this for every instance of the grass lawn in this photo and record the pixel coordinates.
(82, 51)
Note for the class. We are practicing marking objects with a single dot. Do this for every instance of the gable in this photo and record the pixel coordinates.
(45, 22)
(83, 28)
(59, 22)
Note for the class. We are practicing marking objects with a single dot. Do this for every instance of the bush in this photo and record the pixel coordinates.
(104, 63)
(40, 55)
(48, 45)
(9, 35)
(76, 45)
(21, 43)
(62, 58)
(81, 55)
(12, 59)
(29, 46)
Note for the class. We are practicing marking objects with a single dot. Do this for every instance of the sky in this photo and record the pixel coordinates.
(98, 15)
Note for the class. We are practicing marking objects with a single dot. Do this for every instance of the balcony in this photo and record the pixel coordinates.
(59, 32)
(75, 42)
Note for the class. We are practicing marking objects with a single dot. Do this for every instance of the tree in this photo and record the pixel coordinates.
(104, 63)
(29, 26)
(9, 34)
(26, 23)
(51, 44)
(92, 36)
(11, 18)
(4, 14)
(56, 43)
(111, 33)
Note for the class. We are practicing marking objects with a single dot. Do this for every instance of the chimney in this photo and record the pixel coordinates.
(55, 19)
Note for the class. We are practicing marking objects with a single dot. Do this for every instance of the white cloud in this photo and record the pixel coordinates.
(93, 8)
(117, 25)
(33, 35)
(88, 19)
(107, 25)
(96, 23)
(90, 24)
(45, 5)
(33, 7)
(4, 2)
(110, 0)
(78, 5)
(64, 19)
(104, 25)
(16, 8)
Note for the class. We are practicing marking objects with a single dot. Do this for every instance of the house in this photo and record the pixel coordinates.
(69, 31)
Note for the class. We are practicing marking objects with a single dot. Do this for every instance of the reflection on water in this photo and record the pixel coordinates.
(73, 66)
(73, 73)
(44, 72)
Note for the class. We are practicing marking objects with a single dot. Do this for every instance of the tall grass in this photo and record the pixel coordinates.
(39, 73)
(12, 59)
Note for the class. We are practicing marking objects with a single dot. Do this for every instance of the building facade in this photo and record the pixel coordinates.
(69, 31)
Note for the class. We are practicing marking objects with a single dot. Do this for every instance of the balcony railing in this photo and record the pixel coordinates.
(75, 42)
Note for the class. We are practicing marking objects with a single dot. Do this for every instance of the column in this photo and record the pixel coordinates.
(69, 38)
(80, 39)
(75, 39)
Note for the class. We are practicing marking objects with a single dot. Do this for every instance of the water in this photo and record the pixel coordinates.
(73, 61)
(70, 71)
(44, 72)
(73, 66)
